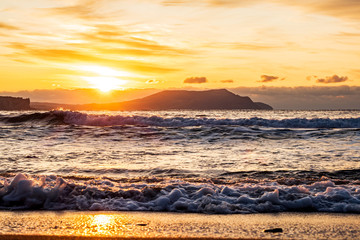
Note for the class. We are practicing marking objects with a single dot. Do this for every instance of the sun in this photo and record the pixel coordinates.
(105, 79)
(105, 84)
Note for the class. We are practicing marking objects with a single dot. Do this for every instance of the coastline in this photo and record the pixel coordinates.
(41, 225)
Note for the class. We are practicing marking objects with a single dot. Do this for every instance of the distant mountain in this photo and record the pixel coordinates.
(170, 100)
(263, 106)
(14, 103)
(192, 100)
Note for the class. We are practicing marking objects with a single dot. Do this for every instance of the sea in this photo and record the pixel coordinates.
(213, 162)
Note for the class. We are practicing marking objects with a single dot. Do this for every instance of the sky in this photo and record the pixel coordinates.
(264, 49)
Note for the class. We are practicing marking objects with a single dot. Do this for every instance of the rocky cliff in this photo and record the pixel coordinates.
(14, 103)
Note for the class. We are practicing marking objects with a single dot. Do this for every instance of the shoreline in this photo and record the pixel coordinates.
(42, 225)
(39, 237)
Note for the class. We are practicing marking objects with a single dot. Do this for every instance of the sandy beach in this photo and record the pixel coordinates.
(140, 225)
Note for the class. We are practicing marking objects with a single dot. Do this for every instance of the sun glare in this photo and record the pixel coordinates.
(104, 71)
(107, 78)
(105, 84)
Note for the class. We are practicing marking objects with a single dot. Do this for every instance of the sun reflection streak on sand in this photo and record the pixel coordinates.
(101, 225)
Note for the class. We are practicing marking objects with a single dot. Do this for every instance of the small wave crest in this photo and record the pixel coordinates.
(54, 193)
(79, 118)
(53, 117)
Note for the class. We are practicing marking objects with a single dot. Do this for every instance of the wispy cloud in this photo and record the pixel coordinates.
(8, 26)
(248, 46)
(129, 52)
(348, 34)
(123, 38)
(214, 3)
(84, 9)
(242, 46)
(17, 45)
(89, 56)
(337, 8)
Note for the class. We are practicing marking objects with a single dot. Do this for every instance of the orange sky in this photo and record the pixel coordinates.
(112, 44)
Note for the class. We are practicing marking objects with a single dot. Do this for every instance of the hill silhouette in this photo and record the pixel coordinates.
(175, 99)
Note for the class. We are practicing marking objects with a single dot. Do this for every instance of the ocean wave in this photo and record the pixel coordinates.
(24, 192)
(79, 118)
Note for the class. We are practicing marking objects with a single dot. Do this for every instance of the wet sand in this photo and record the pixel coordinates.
(139, 225)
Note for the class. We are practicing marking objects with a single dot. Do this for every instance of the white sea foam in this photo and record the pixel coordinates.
(25, 192)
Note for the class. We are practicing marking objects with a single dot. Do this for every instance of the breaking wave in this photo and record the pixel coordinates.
(23, 192)
(78, 118)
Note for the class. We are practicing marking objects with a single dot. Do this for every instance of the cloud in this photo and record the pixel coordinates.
(227, 81)
(114, 40)
(17, 45)
(242, 46)
(309, 78)
(106, 44)
(195, 80)
(130, 52)
(85, 9)
(124, 40)
(152, 81)
(105, 41)
(248, 46)
(347, 34)
(332, 79)
(213, 3)
(231, 2)
(268, 78)
(88, 56)
(7, 26)
(337, 8)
